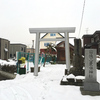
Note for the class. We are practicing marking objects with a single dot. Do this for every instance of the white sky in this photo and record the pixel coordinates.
(17, 16)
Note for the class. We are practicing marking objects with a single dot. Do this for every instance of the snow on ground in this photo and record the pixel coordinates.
(45, 86)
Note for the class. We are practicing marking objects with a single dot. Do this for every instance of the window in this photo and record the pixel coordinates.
(14, 55)
(52, 34)
(92, 40)
(5, 45)
(46, 44)
(21, 48)
(99, 51)
(24, 49)
(10, 55)
(97, 38)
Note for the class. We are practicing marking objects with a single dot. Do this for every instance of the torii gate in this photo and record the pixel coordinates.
(65, 30)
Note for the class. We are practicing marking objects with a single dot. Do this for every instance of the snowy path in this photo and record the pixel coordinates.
(45, 86)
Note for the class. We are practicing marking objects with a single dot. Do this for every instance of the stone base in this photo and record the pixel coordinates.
(66, 83)
(66, 71)
(75, 72)
(71, 83)
(86, 92)
(91, 86)
(32, 69)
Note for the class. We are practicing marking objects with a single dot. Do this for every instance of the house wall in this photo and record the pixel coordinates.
(92, 41)
(30, 50)
(48, 36)
(16, 48)
(4, 49)
(50, 51)
(86, 40)
(61, 52)
(62, 45)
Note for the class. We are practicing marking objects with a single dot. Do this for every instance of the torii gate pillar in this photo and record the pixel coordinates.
(65, 30)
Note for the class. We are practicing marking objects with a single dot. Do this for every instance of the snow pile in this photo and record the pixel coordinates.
(9, 62)
(80, 77)
(70, 76)
(64, 78)
(98, 58)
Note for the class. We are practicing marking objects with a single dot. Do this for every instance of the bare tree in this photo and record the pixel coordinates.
(51, 47)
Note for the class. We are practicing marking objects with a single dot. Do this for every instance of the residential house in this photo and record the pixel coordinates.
(30, 50)
(4, 49)
(61, 52)
(44, 44)
(16, 48)
(92, 41)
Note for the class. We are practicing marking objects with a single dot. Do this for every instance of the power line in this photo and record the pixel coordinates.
(81, 18)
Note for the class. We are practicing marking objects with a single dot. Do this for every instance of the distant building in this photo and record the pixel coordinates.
(30, 50)
(92, 41)
(4, 48)
(16, 48)
(44, 44)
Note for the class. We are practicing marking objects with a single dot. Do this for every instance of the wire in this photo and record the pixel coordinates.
(81, 18)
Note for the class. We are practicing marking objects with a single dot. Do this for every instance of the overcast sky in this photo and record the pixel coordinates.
(17, 16)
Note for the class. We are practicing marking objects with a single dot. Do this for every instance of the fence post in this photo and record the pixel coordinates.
(28, 62)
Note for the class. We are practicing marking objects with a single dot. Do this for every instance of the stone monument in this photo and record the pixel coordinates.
(77, 59)
(90, 82)
(91, 86)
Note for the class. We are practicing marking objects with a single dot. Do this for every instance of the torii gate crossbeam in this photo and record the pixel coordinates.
(65, 30)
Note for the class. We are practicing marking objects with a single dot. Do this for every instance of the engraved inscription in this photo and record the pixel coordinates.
(90, 64)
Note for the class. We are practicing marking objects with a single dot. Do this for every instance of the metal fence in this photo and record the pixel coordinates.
(30, 57)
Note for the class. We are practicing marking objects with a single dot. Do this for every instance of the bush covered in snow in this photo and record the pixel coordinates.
(8, 66)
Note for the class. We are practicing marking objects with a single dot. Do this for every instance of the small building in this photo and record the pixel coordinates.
(92, 41)
(30, 50)
(4, 48)
(61, 52)
(16, 48)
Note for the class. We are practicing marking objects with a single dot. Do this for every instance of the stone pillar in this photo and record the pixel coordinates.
(77, 59)
(67, 51)
(77, 47)
(90, 82)
(36, 53)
